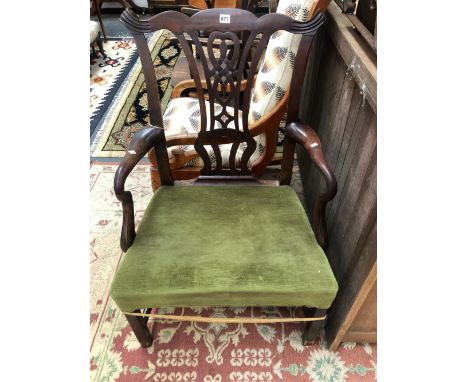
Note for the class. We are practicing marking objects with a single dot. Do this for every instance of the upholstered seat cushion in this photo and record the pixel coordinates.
(224, 246)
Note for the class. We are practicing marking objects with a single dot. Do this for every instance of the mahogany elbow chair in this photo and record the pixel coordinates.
(248, 242)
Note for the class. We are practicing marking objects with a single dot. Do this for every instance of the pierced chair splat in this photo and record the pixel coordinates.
(268, 99)
(247, 243)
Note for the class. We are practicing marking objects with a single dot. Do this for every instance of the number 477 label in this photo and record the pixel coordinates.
(225, 19)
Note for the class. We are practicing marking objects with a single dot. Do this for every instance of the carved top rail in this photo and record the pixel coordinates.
(214, 20)
(226, 60)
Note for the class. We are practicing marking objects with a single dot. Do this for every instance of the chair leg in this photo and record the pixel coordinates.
(312, 328)
(139, 327)
(101, 48)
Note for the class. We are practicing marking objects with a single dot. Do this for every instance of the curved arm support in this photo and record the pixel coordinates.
(307, 137)
(141, 143)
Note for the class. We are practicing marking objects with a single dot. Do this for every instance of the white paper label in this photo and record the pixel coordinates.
(225, 19)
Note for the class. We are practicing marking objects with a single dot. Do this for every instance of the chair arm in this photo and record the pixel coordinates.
(307, 137)
(141, 143)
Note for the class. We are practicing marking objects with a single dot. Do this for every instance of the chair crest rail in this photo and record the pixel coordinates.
(210, 20)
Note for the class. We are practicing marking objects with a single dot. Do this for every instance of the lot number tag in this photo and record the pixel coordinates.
(225, 19)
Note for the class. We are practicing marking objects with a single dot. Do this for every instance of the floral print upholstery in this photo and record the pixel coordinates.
(274, 75)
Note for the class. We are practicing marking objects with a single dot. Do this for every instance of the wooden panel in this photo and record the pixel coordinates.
(349, 146)
(355, 51)
(325, 96)
(356, 336)
(353, 293)
(356, 211)
(366, 318)
(346, 125)
(338, 104)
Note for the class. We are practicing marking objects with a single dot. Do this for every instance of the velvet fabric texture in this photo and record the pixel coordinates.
(224, 246)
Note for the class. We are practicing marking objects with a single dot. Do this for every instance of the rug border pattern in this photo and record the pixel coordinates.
(115, 108)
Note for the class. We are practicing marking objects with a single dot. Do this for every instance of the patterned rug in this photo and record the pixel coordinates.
(108, 74)
(128, 111)
(196, 352)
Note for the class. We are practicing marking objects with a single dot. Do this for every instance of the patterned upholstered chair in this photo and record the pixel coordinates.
(227, 238)
(268, 102)
(95, 37)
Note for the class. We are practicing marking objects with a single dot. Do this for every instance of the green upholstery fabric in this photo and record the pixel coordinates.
(224, 246)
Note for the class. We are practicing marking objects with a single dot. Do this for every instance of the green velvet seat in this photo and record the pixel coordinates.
(224, 246)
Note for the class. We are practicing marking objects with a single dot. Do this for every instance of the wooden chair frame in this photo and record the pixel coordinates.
(225, 71)
(268, 124)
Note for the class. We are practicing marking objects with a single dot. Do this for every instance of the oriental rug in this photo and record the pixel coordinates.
(107, 74)
(128, 110)
(196, 352)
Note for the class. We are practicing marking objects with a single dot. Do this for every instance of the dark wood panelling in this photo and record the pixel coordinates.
(344, 117)
(354, 291)
(356, 53)
(356, 207)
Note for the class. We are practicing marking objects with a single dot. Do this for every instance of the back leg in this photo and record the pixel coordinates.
(101, 48)
(312, 328)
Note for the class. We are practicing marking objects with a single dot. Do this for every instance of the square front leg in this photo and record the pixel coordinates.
(140, 328)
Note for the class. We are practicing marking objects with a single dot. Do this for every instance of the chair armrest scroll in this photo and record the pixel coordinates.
(141, 143)
(307, 137)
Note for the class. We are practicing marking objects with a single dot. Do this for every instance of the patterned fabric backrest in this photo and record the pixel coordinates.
(274, 75)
